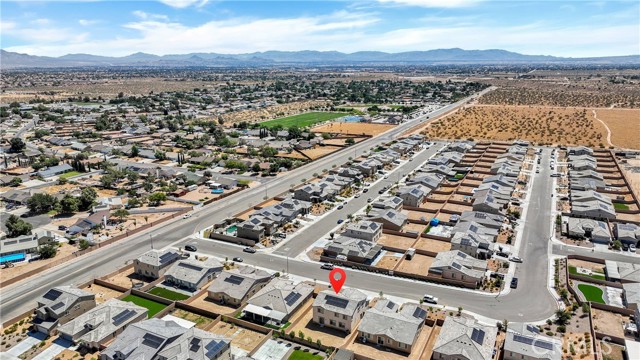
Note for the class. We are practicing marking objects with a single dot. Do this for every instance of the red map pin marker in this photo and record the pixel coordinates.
(337, 277)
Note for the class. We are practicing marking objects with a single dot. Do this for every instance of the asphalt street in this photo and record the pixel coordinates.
(20, 297)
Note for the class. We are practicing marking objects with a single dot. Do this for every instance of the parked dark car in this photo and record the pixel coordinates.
(191, 248)
(514, 283)
(238, 259)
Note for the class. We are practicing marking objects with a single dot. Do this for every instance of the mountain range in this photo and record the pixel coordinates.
(274, 58)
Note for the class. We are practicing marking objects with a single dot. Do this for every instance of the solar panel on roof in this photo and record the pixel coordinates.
(52, 294)
(457, 266)
(190, 267)
(292, 298)
(473, 228)
(166, 256)
(152, 340)
(419, 313)
(123, 316)
(390, 305)
(57, 305)
(234, 279)
(214, 347)
(337, 302)
(477, 335)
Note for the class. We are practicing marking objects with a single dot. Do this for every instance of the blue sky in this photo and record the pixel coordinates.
(116, 28)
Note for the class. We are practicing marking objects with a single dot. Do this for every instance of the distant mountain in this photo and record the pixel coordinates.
(307, 57)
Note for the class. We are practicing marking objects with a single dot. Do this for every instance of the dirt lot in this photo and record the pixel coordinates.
(102, 293)
(291, 155)
(320, 151)
(457, 207)
(353, 128)
(396, 241)
(539, 124)
(632, 171)
(127, 278)
(8, 273)
(243, 338)
(374, 352)
(609, 323)
(420, 264)
(418, 215)
(432, 245)
(388, 261)
(620, 122)
(414, 227)
(200, 321)
(209, 305)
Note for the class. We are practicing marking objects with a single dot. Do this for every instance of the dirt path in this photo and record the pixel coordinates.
(595, 116)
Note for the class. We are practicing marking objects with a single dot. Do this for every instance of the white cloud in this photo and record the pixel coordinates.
(433, 3)
(86, 22)
(42, 31)
(181, 4)
(149, 16)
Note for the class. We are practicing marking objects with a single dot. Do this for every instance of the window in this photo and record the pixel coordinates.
(341, 325)
(345, 317)
(321, 320)
(320, 311)
(332, 322)
(453, 275)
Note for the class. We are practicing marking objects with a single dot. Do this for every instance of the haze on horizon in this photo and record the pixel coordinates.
(120, 28)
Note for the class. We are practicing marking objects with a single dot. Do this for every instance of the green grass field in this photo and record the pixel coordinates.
(591, 293)
(303, 120)
(619, 206)
(168, 294)
(301, 355)
(154, 307)
(69, 174)
(574, 271)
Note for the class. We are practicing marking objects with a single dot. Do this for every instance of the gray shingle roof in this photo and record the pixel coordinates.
(346, 302)
(385, 321)
(466, 338)
(236, 283)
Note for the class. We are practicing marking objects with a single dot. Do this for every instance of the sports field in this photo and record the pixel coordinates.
(303, 120)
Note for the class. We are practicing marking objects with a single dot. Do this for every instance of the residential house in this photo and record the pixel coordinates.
(340, 311)
(390, 219)
(579, 150)
(388, 202)
(622, 271)
(440, 170)
(368, 167)
(627, 233)
(476, 229)
(462, 338)
(154, 263)
(99, 325)
(196, 344)
(59, 305)
(593, 209)
(493, 221)
(350, 173)
(21, 248)
(526, 342)
(472, 243)
(192, 274)
(235, 286)
(413, 195)
(458, 266)
(384, 325)
(430, 181)
(596, 231)
(352, 249)
(490, 201)
(55, 170)
(316, 192)
(89, 223)
(143, 340)
(460, 146)
(632, 300)
(365, 230)
(255, 228)
(275, 303)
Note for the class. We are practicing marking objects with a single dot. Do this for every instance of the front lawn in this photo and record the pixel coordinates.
(168, 294)
(303, 120)
(301, 355)
(154, 307)
(69, 174)
(591, 293)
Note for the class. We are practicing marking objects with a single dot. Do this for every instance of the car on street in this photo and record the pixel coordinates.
(369, 200)
(382, 191)
(186, 216)
(249, 250)
(62, 227)
(340, 221)
(340, 207)
(327, 266)
(365, 190)
(514, 283)
(190, 247)
(238, 259)
(515, 259)
(386, 176)
(430, 299)
(632, 248)
(357, 196)
(625, 247)
(280, 235)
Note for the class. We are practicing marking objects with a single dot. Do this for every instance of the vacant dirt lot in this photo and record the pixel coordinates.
(200, 321)
(243, 338)
(353, 128)
(388, 261)
(127, 278)
(420, 264)
(102, 293)
(432, 245)
(623, 124)
(539, 124)
(207, 304)
(396, 241)
(320, 151)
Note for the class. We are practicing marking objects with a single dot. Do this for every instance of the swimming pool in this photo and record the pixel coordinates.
(351, 118)
(232, 229)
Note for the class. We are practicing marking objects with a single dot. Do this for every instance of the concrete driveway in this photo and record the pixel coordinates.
(26, 344)
(58, 346)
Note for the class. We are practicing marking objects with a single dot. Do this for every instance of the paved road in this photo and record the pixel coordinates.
(18, 298)
(559, 249)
